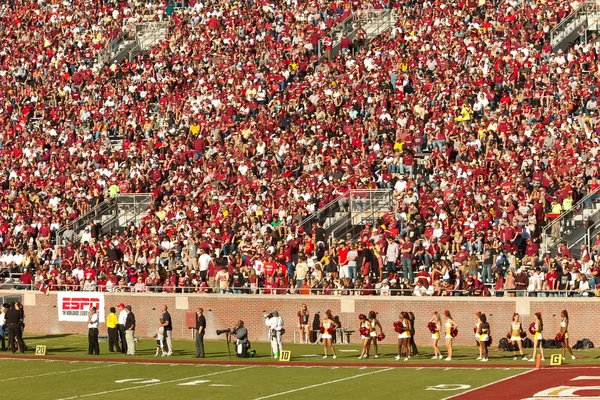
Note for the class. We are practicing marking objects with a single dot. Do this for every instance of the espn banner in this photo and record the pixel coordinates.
(75, 306)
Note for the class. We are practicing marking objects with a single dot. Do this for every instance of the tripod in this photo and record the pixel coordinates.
(228, 335)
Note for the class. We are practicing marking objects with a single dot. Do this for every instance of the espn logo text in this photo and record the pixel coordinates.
(79, 303)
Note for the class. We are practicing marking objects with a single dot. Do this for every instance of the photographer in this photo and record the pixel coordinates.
(241, 335)
(275, 324)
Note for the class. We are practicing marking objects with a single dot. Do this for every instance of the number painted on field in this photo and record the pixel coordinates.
(567, 391)
(138, 381)
(448, 386)
(193, 383)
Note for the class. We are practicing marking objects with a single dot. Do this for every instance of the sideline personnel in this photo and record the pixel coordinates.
(200, 329)
(130, 331)
(12, 322)
(121, 326)
(113, 332)
(93, 346)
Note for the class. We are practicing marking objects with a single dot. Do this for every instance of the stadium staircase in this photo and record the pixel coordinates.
(584, 19)
(374, 22)
(127, 46)
(575, 227)
(113, 215)
(350, 212)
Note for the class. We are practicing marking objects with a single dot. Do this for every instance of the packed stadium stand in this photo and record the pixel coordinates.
(284, 147)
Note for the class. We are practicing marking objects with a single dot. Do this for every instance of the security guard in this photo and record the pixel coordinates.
(12, 323)
(113, 331)
(94, 347)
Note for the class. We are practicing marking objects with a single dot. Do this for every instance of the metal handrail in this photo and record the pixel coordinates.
(345, 229)
(291, 291)
(579, 204)
(559, 30)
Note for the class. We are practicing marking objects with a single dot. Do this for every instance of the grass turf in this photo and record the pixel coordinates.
(41, 379)
(83, 376)
(76, 347)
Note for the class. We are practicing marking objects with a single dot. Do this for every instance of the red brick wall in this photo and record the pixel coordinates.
(42, 314)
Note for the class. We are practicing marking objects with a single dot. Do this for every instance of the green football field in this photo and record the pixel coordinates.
(67, 372)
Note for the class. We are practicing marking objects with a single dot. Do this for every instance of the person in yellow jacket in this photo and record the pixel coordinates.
(465, 114)
(113, 332)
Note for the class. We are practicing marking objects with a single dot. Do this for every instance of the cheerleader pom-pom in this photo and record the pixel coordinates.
(454, 332)
(362, 316)
(398, 327)
(322, 329)
(490, 341)
(432, 327)
(509, 335)
(532, 328)
(155, 336)
(560, 337)
(364, 331)
(380, 337)
(474, 330)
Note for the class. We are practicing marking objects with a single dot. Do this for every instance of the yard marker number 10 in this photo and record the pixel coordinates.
(40, 350)
(285, 355)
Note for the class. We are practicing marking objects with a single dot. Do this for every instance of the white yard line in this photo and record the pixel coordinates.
(323, 384)
(56, 372)
(489, 384)
(154, 384)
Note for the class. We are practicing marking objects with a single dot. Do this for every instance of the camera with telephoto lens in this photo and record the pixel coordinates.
(222, 331)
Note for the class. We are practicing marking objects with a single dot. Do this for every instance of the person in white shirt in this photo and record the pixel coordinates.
(275, 324)
(93, 346)
(2, 312)
(204, 262)
(121, 325)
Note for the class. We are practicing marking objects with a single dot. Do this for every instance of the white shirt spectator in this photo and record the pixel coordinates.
(204, 261)
(93, 321)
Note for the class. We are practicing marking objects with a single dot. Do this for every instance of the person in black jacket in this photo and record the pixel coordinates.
(12, 322)
(130, 331)
(200, 330)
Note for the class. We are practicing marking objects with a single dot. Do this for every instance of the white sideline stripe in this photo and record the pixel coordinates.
(324, 383)
(57, 372)
(154, 384)
(489, 384)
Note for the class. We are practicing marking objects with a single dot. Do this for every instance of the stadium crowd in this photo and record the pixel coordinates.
(239, 131)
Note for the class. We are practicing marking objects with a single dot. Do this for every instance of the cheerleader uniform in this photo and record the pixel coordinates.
(372, 330)
(436, 335)
(484, 337)
(405, 333)
(365, 325)
(515, 334)
(563, 324)
(538, 334)
(448, 326)
(477, 330)
(327, 333)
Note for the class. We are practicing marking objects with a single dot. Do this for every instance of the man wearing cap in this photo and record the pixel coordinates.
(93, 346)
(130, 331)
(122, 318)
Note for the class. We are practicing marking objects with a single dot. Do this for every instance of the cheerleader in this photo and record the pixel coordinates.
(328, 326)
(484, 336)
(516, 332)
(404, 337)
(435, 336)
(364, 327)
(448, 325)
(477, 334)
(537, 338)
(564, 331)
(303, 325)
(374, 325)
